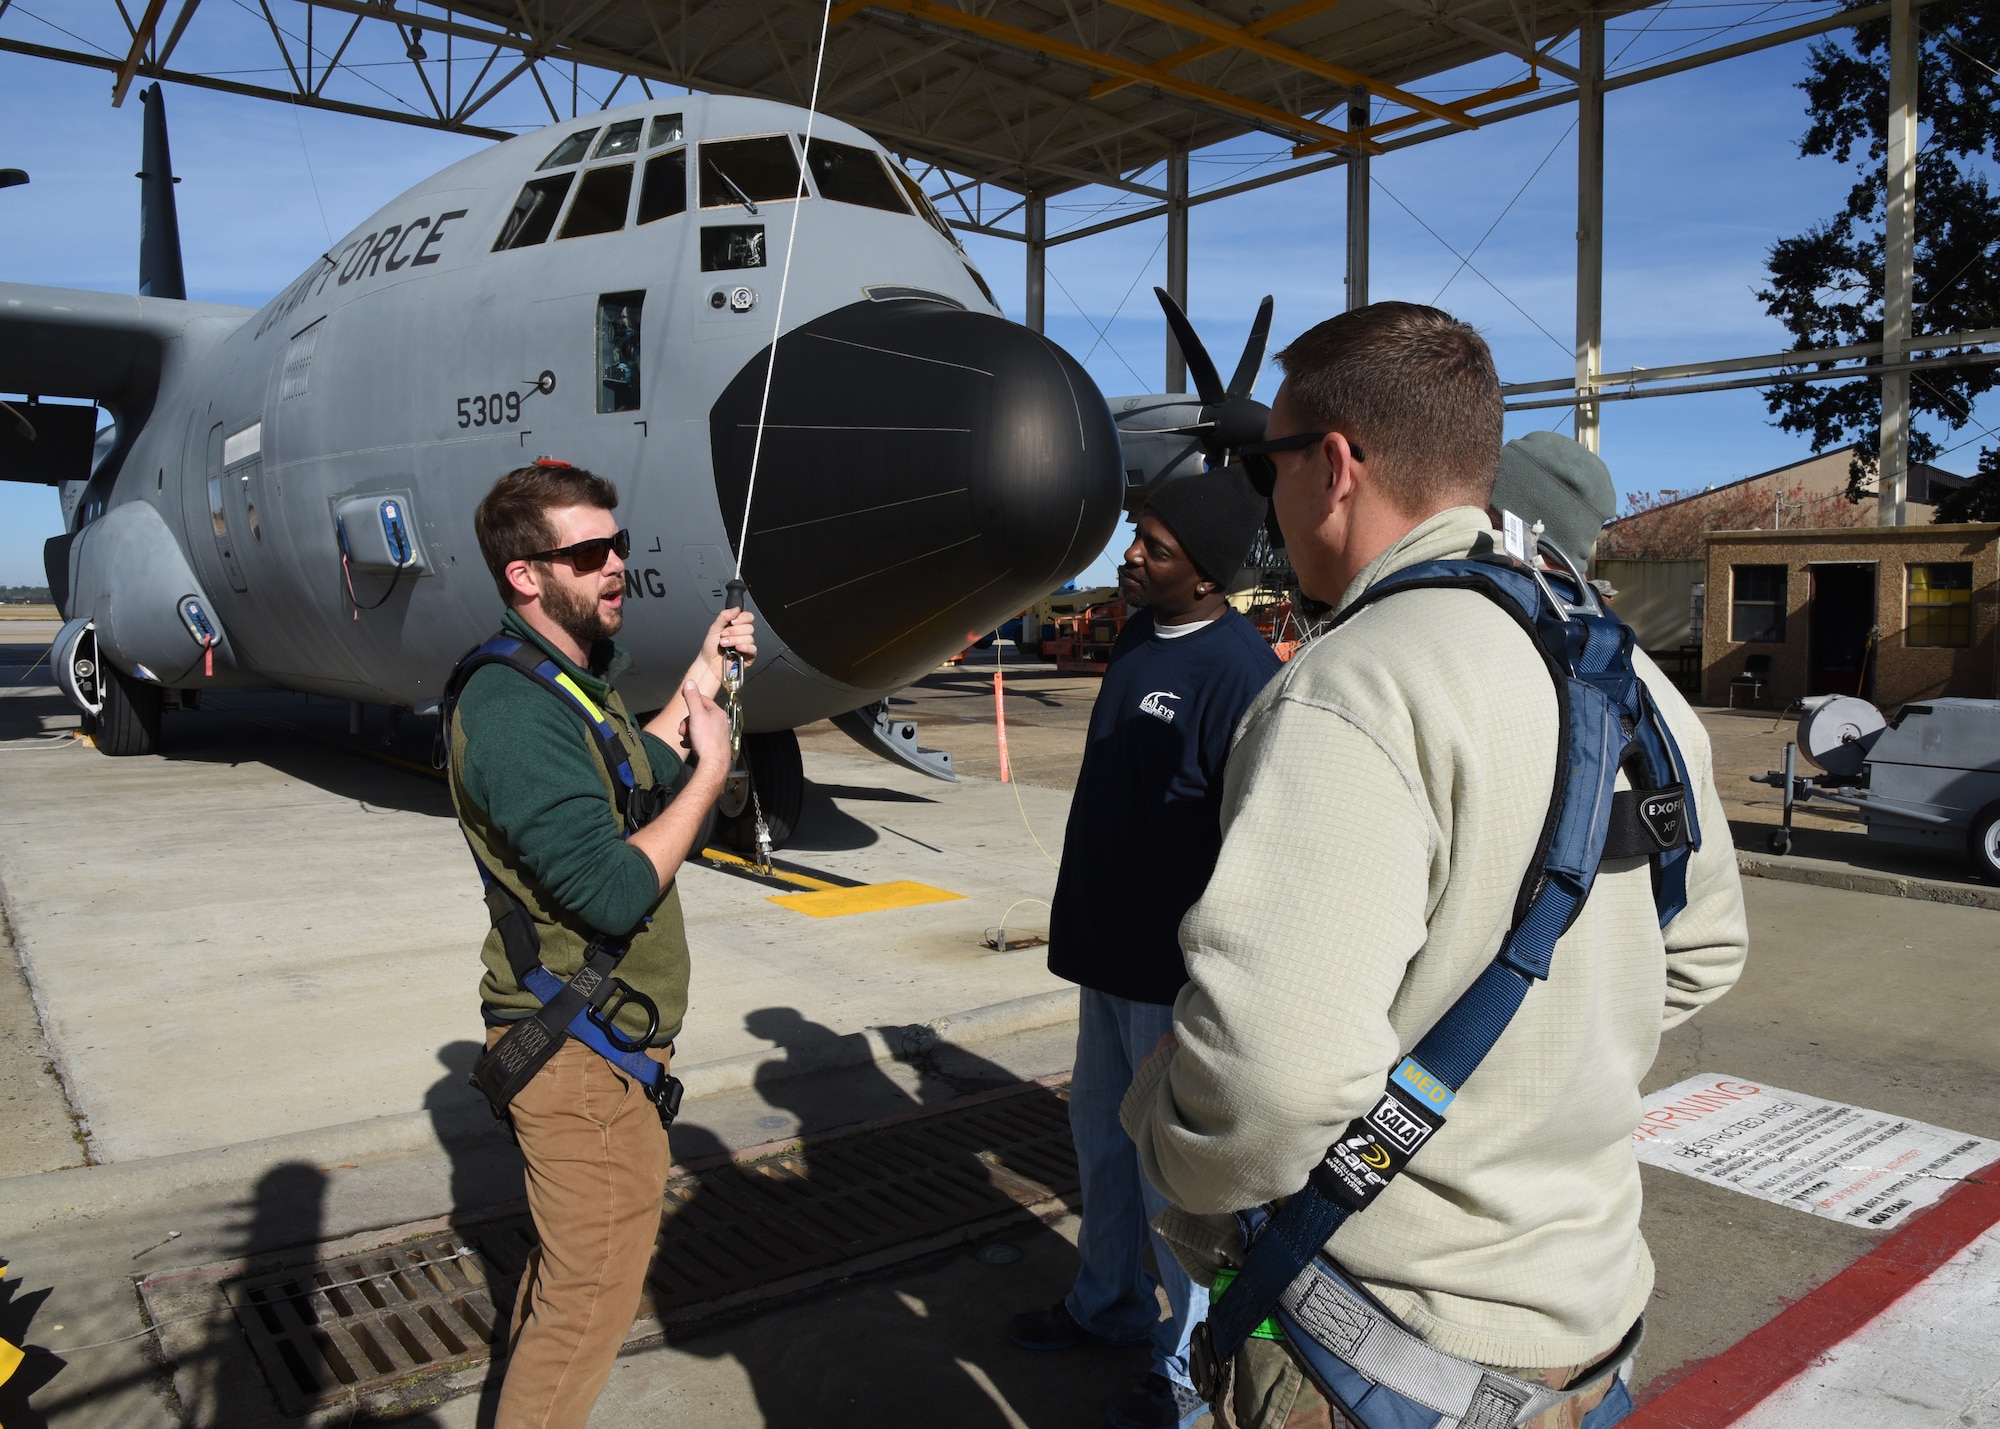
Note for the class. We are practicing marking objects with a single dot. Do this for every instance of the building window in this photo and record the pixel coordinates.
(1757, 604)
(1940, 604)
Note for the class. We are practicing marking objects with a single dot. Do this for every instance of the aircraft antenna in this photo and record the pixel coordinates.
(784, 279)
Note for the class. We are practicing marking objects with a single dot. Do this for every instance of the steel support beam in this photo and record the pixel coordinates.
(1038, 262)
(1899, 249)
(1590, 224)
(1357, 205)
(1177, 261)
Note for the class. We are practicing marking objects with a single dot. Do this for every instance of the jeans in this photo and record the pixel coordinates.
(1114, 1296)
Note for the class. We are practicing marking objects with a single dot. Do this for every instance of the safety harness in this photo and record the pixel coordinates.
(585, 1005)
(1381, 1375)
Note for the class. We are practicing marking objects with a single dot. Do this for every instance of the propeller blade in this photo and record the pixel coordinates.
(1207, 382)
(1252, 361)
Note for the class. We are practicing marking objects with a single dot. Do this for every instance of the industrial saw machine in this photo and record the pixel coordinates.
(1930, 778)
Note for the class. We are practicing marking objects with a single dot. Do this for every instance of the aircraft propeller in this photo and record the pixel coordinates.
(1229, 416)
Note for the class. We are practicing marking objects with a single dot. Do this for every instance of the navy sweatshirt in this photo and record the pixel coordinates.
(1145, 826)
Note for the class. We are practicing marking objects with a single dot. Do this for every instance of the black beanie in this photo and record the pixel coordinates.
(1215, 515)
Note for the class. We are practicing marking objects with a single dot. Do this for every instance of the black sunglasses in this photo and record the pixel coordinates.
(588, 556)
(1263, 472)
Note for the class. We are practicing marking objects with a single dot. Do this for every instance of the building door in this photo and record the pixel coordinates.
(1841, 629)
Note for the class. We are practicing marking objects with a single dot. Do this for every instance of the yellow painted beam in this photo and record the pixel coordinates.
(1405, 121)
(1032, 43)
(868, 898)
(142, 36)
(1265, 26)
(1242, 39)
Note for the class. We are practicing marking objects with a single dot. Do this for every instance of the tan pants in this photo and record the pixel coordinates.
(1267, 1390)
(597, 1168)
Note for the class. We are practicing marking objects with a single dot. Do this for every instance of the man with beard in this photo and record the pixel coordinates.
(553, 780)
(1143, 835)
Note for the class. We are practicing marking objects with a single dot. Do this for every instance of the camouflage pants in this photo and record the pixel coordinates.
(1265, 1389)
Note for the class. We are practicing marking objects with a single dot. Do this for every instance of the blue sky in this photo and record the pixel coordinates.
(1702, 175)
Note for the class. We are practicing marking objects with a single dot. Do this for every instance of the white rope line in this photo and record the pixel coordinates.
(784, 281)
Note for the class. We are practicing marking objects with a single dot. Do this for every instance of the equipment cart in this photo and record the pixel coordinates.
(1928, 779)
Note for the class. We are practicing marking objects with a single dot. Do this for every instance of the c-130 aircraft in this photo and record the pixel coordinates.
(285, 498)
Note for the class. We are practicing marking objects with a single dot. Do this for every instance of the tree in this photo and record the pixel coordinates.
(1826, 284)
(1667, 526)
(1978, 499)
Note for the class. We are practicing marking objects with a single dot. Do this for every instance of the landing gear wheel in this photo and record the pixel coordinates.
(129, 722)
(1982, 841)
(780, 779)
(1779, 842)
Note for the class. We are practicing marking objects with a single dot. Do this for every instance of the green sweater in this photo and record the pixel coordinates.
(537, 805)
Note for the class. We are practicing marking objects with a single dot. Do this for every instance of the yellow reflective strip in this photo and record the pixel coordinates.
(868, 898)
(576, 692)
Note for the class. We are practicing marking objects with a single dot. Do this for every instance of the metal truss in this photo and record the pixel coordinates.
(433, 69)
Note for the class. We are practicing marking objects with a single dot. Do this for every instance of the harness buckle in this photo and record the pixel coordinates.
(666, 1098)
(1203, 1369)
(620, 997)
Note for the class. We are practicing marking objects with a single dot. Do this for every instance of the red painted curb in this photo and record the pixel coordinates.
(1718, 1391)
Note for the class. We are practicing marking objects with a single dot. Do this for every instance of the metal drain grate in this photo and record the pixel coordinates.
(357, 1328)
(347, 1326)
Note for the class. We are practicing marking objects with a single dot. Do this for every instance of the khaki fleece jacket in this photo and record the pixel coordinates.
(1382, 803)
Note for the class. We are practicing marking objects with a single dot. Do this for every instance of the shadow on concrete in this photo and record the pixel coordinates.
(38, 1366)
(824, 827)
(887, 1355)
(307, 740)
(1857, 851)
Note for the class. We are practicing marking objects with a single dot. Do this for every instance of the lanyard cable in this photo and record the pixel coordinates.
(738, 591)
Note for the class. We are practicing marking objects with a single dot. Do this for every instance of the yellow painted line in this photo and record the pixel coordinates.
(817, 885)
(10, 1360)
(868, 898)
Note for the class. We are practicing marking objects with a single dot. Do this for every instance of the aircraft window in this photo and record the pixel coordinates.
(600, 202)
(848, 173)
(619, 139)
(982, 285)
(618, 351)
(725, 248)
(534, 212)
(665, 192)
(569, 151)
(666, 130)
(923, 205)
(216, 517)
(762, 170)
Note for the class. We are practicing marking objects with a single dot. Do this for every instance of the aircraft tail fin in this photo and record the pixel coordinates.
(160, 273)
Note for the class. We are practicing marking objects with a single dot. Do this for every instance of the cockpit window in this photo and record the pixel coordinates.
(665, 192)
(600, 202)
(666, 130)
(762, 170)
(848, 173)
(921, 201)
(534, 212)
(569, 151)
(619, 139)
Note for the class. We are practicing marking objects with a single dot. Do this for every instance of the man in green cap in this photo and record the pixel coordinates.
(1562, 484)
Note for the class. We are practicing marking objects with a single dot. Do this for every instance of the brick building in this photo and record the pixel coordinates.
(1893, 613)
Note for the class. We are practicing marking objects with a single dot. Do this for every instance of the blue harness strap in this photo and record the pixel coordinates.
(1607, 721)
(584, 1005)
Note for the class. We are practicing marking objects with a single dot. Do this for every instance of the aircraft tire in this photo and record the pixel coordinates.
(129, 723)
(779, 777)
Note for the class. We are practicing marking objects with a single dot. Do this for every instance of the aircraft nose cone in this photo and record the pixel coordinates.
(926, 472)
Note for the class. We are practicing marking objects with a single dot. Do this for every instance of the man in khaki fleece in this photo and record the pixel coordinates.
(1381, 808)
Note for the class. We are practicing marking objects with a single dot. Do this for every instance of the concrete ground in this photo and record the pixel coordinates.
(229, 1119)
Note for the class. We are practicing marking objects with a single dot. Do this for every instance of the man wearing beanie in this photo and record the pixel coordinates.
(1562, 484)
(1143, 835)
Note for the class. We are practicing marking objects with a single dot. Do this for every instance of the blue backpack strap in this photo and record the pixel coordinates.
(1603, 710)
